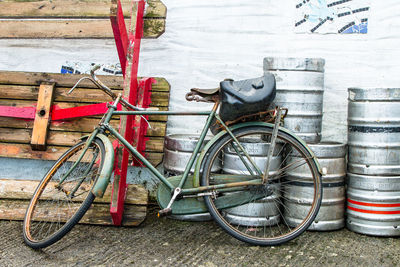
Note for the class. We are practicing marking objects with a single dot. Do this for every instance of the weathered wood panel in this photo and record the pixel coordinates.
(20, 89)
(68, 80)
(79, 95)
(24, 189)
(83, 125)
(98, 214)
(15, 196)
(72, 8)
(22, 136)
(71, 19)
(68, 29)
(54, 152)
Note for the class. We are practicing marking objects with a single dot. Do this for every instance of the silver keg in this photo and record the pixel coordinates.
(373, 204)
(299, 191)
(263, 212)
(257, 149)
(374, 131)
(178, 149)
(300, 88)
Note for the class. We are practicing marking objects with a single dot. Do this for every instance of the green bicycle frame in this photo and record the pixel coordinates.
(211, 115)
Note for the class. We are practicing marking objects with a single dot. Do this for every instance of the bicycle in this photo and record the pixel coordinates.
(251, 200)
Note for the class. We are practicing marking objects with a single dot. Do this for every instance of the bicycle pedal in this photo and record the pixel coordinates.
(164, 212)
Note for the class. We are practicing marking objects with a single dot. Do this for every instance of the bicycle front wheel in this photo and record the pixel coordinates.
(63, 195)
(265, 214)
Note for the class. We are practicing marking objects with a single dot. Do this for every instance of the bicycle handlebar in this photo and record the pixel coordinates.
(107, 90)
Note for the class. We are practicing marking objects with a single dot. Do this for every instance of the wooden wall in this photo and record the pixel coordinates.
(20, 89)
(71, 18)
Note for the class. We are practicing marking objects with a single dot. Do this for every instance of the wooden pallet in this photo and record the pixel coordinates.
(72, 18)
(16, 194)
(20, 89)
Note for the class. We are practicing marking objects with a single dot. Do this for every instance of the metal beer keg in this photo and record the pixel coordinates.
(300, 88)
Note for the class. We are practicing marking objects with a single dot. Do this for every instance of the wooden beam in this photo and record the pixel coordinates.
(69, 29)
(98, 214)
(58, 138)
(24, 151)
(24, 189)
(43, 115)
(72, 9)
(83, 125)
(68, 80)
(15, 196)
(80, 95)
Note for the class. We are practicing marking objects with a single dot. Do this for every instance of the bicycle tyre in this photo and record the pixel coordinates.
(265, 220)
(51, 213)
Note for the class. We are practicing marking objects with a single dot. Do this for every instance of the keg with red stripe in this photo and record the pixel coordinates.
(373, 196)
(373, 204)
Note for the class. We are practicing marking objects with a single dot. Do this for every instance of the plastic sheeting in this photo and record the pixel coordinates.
(209, 40)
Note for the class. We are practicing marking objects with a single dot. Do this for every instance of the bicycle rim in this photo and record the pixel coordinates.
(57, 205)
(263, 214)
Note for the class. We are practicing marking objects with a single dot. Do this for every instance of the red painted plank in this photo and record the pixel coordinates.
(17, 112)
(76, 112)
(120, 34)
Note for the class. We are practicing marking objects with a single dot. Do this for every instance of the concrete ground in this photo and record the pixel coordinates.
(166, 242)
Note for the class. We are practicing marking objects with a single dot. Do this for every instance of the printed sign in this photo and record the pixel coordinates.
(327, 16)
(81, 67)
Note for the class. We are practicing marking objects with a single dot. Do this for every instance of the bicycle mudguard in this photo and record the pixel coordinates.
(196, 176)
(104, 178)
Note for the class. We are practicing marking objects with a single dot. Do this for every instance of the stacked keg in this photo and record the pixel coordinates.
(373, 204)
(332, 157)
(264, 212)
(300, 88)
(178, 149)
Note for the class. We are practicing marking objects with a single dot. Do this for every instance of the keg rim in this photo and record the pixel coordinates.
(173, 141)
(294, 64)
(373, 94)
(329, 149)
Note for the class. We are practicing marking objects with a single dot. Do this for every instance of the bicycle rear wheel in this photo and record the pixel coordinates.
(59, 202)
(262, 214)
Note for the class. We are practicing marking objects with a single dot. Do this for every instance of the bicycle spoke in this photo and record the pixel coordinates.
(263, 217)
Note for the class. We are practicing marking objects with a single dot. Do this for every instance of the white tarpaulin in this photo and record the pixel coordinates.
(209, 40)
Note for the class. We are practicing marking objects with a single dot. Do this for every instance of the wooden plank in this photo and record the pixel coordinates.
(72, 8)
(42, 118)
(87, 125)
(10, 135)
(83, 125)
(56, 138)
(24, 189)
(68, 80)
(79, 95)
(97, 214)
(155, 9)
(24, 151)
(70, 28)
(154, 157)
